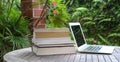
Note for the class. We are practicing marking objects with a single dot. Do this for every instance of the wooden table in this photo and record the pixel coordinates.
(26, 55)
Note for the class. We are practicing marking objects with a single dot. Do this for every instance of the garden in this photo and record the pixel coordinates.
(100, 20)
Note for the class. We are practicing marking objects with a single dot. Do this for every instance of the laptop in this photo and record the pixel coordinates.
(81, 44)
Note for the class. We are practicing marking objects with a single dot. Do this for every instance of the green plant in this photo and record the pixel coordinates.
(100, 19)
(57, 15)
(13, 28)
(80, 13)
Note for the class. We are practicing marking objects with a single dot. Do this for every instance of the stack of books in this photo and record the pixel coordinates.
(50, 46)
(50, 41)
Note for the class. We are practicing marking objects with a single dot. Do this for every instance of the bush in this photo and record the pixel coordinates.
(13, 28)
(100, 19)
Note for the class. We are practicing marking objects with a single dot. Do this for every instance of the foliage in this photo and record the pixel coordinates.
(81, 11)
(100, 19)
(57, 15)
(13, 27)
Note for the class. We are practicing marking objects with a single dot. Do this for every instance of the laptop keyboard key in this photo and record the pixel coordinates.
(93, 48)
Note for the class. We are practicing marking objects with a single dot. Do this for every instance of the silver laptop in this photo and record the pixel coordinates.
(81, 43)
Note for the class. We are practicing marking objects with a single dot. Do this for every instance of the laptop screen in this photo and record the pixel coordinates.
(78, 35)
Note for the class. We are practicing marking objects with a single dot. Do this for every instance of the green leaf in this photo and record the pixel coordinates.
(118, 15)
(114, 35)
(97, 0)
(104, 40)
(89, 23)
(90, 40)
(87, 18)
(8, 30)
(76, 15)
(104, 20)
(82, 9)
(1, 35)
(99, 43)
(72, 1)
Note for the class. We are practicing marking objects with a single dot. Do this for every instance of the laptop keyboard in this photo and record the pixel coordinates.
(93, 48)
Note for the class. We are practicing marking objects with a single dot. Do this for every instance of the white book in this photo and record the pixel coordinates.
(56, 45)
(61, 40)
(53, 50)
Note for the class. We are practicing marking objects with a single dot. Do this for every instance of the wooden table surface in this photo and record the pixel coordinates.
(26, 55)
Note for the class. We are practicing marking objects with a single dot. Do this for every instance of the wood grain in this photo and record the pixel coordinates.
(26, 55)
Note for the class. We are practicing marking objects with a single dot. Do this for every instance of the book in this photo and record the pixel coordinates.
(51, 32)
(52, 41)
(55, 45)
(53, 50)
